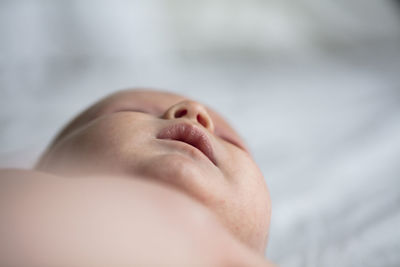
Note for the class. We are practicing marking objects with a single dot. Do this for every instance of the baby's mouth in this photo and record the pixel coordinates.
(189, 134)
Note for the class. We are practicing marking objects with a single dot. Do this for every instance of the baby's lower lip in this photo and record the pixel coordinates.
(193, 152)
(190, 135)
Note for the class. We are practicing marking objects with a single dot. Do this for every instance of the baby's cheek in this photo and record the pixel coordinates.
(250, 203)
(104, 146)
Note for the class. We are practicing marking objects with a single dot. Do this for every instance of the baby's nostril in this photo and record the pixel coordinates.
(202, 120)
(180, 113)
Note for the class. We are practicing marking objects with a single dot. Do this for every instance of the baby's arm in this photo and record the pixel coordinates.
(48, 220)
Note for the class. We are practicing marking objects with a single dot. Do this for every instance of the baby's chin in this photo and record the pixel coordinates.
(180, 174)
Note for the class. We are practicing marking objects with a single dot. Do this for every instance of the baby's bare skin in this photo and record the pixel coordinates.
(113, 188)
(102, 221)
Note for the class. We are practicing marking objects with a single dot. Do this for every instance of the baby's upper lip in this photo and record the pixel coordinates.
(190, 134)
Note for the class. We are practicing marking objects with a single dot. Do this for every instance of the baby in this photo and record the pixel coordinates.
(140, 178)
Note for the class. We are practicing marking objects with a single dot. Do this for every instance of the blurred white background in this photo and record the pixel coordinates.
(313, 86)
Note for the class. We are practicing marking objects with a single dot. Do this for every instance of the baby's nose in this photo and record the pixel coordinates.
(190, 110)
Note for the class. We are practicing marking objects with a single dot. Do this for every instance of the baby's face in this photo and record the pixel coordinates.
(168, 139)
